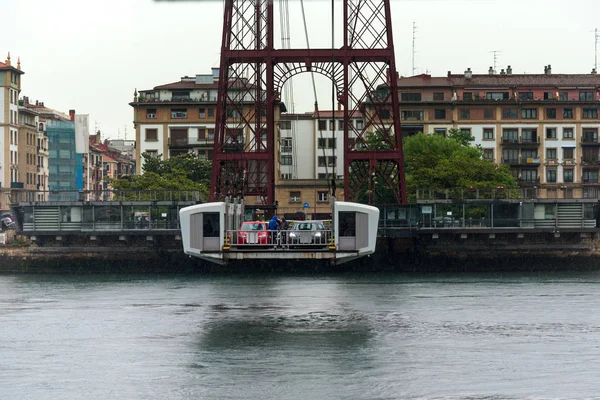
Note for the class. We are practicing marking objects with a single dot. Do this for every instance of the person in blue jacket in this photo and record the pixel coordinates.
(273, 228)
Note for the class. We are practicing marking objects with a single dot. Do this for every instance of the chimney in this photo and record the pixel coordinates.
(72, 115)
(37, 103)
(509, 70)
(548, 69)
(502, 72)
(491, 71)
(468, 73)
(449, 73)
(593, 71)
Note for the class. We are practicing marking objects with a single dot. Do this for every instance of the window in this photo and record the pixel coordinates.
(211, 134)
(440, 114)
(331, 143)
(359, 125)
(178, 113)
(488, 154)
(286, 159)
(211, 112)
(590, 176)
(294, 197)
(586, 96)
(510, 156)
(563, 96)
(551, 175)
(151, 134)
(202, 113)
(590, 113)
(510, 135)
(322, 196)
(551, 154)
(465, 113)
(438, 96)
(529, 113)
(590, 154)
(529, 175)
(286, 176)
(341, 125)
(152, 153)
(233, 113)
(410, 96)
(331, 125)
(590, 135)
(412, 115)
(488, 113)
(181, 95)
(384, 114)
(322, 125)
(321, 143)
(468, 96)
(201, 133)
(548, 96)
(567, 175)
(568, 113)
(529, 154)
(497, 95)
(286, 145)
(551, 113)
(529, 136)
(526, 96)
(567, 133)
(509, 113)
(488, 134)
(440, 131)
(550, 133)
(285, 125)
(567, 153)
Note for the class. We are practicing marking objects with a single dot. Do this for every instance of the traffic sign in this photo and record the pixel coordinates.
(305, 205)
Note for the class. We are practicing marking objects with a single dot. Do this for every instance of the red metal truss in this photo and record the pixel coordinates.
(252, 73)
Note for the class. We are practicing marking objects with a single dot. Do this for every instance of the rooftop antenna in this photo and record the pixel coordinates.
(413, 47)
(596, 38)
(495, 58)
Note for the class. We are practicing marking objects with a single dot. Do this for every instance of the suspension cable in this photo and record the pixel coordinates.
(317, 111)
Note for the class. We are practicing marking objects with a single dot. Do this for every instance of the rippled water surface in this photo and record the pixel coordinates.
(359, 337)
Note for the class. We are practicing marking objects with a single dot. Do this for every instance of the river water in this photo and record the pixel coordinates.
(288, 337)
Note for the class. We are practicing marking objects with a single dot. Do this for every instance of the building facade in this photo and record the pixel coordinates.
(543, 126)
(176, 118)
(10, 86)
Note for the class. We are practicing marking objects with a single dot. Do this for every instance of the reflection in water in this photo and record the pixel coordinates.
(375, 337)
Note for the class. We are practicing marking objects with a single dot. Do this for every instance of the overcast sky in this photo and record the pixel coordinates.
(91, 55)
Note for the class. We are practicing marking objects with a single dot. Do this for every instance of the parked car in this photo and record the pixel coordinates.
(308, 233)
(253, 232)
(7, 221)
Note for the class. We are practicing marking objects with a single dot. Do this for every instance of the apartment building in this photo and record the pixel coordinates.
(10, 86)
(310, 154)
(543, 126)
(176, 118)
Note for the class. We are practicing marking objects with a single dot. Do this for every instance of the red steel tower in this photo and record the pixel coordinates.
(252, 74)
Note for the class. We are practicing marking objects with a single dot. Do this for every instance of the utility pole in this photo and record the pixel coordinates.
(413, 47)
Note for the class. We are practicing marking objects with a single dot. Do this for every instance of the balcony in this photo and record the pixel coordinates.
(589, 140)
(551, 161)
(528, 161)
(589, 179)
(179, 100)
(178, 142)
(569, 161)
(591, 160)
(523, 140)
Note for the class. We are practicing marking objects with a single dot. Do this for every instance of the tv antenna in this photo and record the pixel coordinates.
(413, 47)
(596, 38)
(495, 58)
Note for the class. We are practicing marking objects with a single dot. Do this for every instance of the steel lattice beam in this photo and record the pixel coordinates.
(252, 73)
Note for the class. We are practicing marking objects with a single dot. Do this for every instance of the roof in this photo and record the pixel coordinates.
(186, 85)
(499, 80)
(4, 66)
(336, 114)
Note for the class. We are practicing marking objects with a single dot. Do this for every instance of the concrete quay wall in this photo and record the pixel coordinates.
(450, 252)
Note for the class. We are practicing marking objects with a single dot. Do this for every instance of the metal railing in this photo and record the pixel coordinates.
(280, 239)
(19, 196)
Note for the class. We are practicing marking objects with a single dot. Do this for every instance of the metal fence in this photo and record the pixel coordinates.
(281, 239)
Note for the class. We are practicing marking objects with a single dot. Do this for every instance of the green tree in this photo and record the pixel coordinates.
(463, 137)
(435, 161)
(180, 173)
